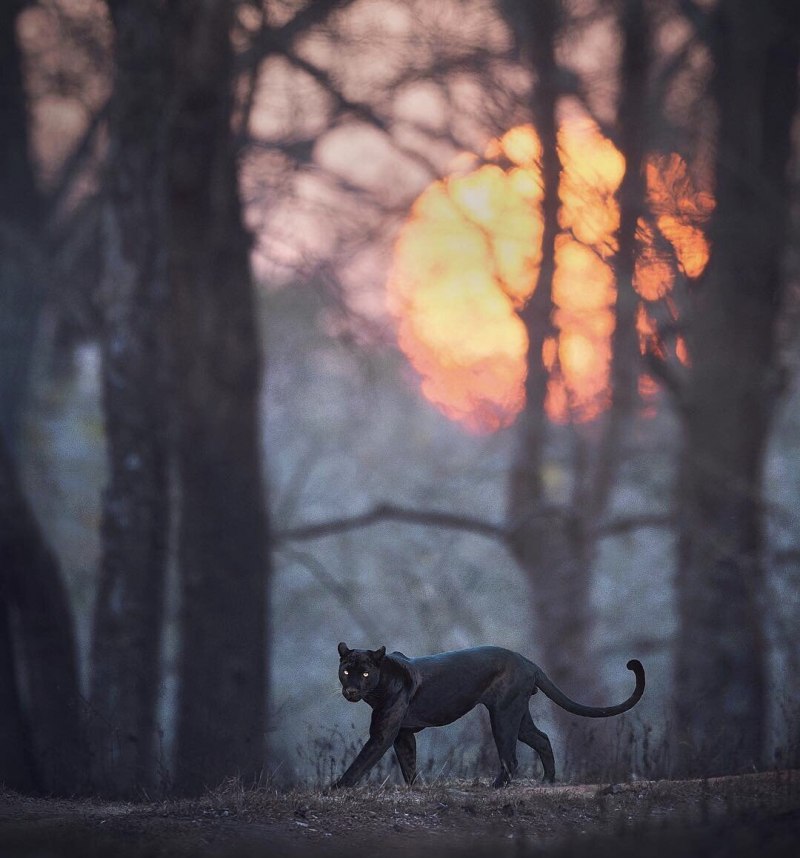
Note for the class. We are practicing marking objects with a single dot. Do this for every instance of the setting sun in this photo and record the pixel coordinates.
(468, 257)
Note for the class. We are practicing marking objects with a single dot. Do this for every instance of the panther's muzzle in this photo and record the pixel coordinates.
(351, 694)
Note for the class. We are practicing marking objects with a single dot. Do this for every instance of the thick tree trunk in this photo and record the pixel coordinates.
(125, 676)
(17, 767)
(20, 250)
(721, 660)
(42, 710)
(41, 740)
(223, 539)
(17, 220)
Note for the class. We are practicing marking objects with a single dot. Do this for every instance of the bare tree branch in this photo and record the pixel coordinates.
(469, 524)
(357, 108)
(666, 372)
(391, 512)
(75, 160)
(628, 523)
(787, 556)
(313, 13)
(698, 17)
(338, 590)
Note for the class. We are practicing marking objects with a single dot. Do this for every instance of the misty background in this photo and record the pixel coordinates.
(199, 217)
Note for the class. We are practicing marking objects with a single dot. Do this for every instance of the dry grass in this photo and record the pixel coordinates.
(458, 817)
(612, 800)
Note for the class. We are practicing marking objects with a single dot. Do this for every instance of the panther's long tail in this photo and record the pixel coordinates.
(559, 698)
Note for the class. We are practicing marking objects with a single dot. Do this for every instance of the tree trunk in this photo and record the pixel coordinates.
(20, 217)
(721, 660)
(547, 538)
(126, 647)
(625, 359)
(41, 739)
(40, 674)
(17, 220)
(17, 767)
(223, 537)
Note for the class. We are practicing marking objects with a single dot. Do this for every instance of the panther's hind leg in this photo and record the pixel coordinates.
(505, 717)
(536, 739)
(405, 747)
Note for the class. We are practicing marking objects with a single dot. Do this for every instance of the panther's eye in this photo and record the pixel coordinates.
(365, 674)
(346, 672)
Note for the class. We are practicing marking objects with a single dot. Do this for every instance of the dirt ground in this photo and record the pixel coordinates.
(756, 814)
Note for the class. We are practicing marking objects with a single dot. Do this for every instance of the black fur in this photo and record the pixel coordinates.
(409, 694)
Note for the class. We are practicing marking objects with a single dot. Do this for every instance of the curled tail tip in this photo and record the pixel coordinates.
(636, 666)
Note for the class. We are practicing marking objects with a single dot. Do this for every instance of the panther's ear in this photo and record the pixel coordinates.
(343, 650)
(378, 654)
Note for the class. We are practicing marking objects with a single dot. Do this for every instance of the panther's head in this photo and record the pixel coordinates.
(359, 671)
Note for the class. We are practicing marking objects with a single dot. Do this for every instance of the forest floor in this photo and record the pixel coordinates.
(731, 817)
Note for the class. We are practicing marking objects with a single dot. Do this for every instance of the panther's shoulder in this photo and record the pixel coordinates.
(405, 665)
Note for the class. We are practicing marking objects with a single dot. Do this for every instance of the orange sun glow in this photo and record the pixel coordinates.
(468, 257)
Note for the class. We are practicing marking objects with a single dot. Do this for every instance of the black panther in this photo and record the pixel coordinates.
(409, 694)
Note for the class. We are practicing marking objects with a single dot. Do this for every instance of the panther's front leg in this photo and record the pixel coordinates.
(372, 751)
(405, 746)
(383, 730)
